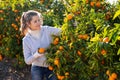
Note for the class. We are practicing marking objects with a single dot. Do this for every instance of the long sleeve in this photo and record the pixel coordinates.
(54, 31)
(28, 57)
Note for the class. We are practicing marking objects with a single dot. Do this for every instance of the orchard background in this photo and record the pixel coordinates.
(88, 47)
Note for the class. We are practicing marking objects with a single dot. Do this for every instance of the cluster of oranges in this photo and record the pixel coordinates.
(83, 36)
(112, 76)
(14, 26)
(94, 3)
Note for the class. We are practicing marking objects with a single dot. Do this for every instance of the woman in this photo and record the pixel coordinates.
(37, 36)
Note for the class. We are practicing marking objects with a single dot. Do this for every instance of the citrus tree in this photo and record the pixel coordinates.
(89, 45)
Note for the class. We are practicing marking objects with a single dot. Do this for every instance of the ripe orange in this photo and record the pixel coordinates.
(55, 42)
(79, 53)
(61, 48)
(69, 16)
(41, 50)
(103, 51)
(114, 75)
(108, 72)
(50, 68)
(1, 11)
(85, 36)
(16, 11)
(98, 4)
(92, 4)
(67, 74)
(110, 78)
(57, 39)
(60, 77)
(1, 58)
(80, 36)
(106, 40)
(56, 61)
(87, 1)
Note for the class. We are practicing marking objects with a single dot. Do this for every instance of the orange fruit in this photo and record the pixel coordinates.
(55, 42)
(1, 19)
(41, 50)
(1, 11)
(57, 39)
(108, 72)
(85, 36)
(98, 4)
(106, 40)
(61, 48)
(87, 1)
(56, 61)
(50, 68)
(60, 77)
(16, 11)
(67, 74)
(114, 75)
(79, 53)
(80, 36)
(69, 16)
(110, 78)
(92, 4)
(1, 58)
(103, 52)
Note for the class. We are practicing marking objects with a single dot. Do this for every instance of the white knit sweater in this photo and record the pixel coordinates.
(36, 39)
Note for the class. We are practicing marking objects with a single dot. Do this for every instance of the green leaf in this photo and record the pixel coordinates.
(118, 53)
(116, 14)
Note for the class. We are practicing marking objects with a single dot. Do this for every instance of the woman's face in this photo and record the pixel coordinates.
(35, 23)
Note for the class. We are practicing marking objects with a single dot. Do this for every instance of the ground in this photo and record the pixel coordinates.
(9, 72)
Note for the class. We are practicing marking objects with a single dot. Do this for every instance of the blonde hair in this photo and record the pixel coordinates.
(26, 18)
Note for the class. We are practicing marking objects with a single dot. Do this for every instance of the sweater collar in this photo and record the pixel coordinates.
(34, 33)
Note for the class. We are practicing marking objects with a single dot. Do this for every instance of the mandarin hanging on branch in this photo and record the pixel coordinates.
(61, 47)
(92, 4)
(1, 58)
(16, 11)
(110, 78)
(103, 51)
(50, 68)
(79, 53)
(98, 4)
(106, 39)
(60, 77)
(69, 16)
(108, 72)
(114, 76)
(87, 1)
(57, 62)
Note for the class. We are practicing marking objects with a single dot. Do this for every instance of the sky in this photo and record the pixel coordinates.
(112, 1)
